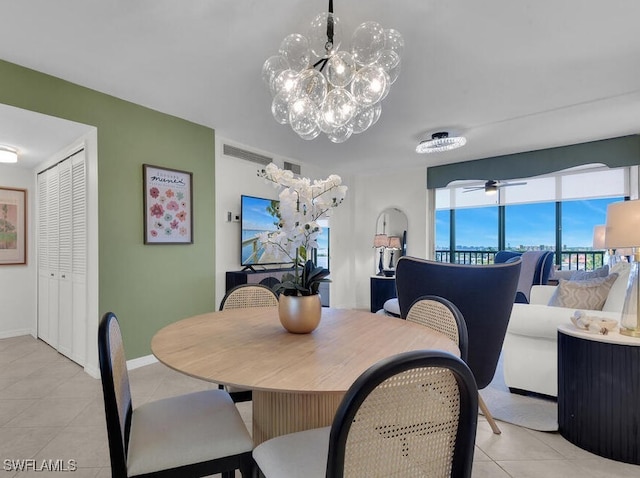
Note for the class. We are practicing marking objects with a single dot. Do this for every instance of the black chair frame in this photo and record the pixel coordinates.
(465, 438)
(118, 449)
(463, 337)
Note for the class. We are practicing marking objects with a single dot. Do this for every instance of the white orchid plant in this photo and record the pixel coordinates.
(302, 204)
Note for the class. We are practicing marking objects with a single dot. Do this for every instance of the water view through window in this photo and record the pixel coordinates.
(532, 226)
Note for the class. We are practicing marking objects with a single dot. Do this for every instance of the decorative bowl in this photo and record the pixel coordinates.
(594, 325)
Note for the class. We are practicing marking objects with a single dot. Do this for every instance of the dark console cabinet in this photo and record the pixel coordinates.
(268, 277)
(382, 289)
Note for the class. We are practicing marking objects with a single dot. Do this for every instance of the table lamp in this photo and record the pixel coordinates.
(622, 231)
(381, 241)
(394, 245)
(598, 244)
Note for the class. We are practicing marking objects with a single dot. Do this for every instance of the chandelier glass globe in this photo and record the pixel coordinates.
(318, 88)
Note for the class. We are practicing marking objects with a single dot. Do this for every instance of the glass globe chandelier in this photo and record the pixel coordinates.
(318, 88)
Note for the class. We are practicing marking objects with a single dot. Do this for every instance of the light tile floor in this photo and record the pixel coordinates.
(51, 409)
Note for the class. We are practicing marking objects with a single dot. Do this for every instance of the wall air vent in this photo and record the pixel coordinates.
(294, 168)
(235, 152)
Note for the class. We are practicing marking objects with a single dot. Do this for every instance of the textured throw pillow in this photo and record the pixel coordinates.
(586, 275)
(584, 294)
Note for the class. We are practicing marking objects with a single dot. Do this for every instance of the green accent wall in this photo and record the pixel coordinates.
(146, 286)
(615, 153)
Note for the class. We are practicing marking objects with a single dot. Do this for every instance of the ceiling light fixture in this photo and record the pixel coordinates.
(491, 187)
(440, 142)
(8, 155)
(318, 88)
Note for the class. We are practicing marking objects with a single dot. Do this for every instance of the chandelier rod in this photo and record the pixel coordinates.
(329, 45)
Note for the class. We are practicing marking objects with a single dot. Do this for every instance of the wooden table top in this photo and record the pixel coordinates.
(249, 348)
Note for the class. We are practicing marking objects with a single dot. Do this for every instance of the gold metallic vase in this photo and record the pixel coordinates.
(300, 314)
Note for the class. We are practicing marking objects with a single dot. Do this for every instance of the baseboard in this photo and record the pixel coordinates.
(7, 334)
(527, 393)
(92, 371)
(141, 362)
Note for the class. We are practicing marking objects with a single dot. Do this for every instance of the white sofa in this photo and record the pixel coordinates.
(530, 354)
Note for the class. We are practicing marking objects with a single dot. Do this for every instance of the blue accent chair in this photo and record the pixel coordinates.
(535, 270)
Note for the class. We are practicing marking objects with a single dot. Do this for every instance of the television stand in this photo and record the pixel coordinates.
(268, 277)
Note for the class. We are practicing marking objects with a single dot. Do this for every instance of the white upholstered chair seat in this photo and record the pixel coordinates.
(296, 455)
(186, 429)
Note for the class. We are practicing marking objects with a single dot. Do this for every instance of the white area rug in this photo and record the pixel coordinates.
(525, 411)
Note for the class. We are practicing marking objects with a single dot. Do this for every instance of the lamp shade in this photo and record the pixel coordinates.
(394, 242)
(598, 237)
(380, 240)
(623, 224)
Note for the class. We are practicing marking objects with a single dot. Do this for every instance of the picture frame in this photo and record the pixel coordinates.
(13, 226)
(168, 205)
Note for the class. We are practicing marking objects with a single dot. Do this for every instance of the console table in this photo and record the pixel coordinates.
(382, 289)
(599, 392)
(270, 278)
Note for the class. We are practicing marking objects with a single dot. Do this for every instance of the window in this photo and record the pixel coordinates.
(579, 217)
(477, 228)
(443, 229)
(546, 213)
(530, 227)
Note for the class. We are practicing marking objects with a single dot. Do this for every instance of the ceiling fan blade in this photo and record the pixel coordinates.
(511, 184)
(474, 188)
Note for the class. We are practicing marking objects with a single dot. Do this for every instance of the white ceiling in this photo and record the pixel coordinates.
(37, 137)
(511, 75)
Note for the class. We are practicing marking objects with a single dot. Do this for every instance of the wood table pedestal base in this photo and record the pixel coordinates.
(278, 413)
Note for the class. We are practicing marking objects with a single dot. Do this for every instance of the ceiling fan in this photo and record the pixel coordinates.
(491, 186)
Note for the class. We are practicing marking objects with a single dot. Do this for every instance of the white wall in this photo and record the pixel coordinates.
(233, 178)
(353, 224)
(405, 190)
(18, 295)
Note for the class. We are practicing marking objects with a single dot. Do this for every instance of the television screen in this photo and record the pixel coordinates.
(321, 254)
(259, 215)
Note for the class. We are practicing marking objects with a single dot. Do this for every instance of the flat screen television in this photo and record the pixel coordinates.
(259, 215)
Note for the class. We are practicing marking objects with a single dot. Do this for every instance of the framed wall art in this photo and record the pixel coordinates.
(13, 226)
(168, 205)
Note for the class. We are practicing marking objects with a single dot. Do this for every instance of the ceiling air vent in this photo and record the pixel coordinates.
(234, 152)
(294, 168)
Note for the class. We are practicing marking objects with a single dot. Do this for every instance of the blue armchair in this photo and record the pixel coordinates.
(535, 270)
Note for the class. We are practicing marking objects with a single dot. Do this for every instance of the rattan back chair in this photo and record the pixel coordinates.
(192, 435)
(443, 316)
(241, 297)
(413, 414)
(249, 295)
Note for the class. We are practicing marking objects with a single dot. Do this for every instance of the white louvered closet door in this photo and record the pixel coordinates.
(62, 253)
(79, 246)
(48, 254)
(43, 258)
(65, 252)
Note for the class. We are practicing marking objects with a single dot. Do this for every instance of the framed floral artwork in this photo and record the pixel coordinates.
(13, 226)
(168, 205)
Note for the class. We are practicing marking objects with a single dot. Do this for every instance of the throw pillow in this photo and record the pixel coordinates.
(585, 294)
(586, 275)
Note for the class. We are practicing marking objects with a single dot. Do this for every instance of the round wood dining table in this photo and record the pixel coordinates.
(298, 380)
